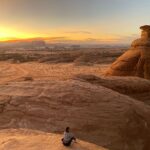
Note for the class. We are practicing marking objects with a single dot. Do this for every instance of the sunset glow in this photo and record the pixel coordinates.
(11, 34)
(95, 21)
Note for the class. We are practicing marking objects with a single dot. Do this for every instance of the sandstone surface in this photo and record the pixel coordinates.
(34, 140)
(95, 113)
(135, 87)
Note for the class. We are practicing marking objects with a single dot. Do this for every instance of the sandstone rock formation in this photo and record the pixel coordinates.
(34, 140)
(135, 87)
(136, 61)
(95, 113)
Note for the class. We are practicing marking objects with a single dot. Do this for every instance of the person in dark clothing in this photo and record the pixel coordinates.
(68, 137)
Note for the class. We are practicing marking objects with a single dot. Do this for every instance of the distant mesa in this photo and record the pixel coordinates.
(135, 61)
(24, 44)
(39, 43)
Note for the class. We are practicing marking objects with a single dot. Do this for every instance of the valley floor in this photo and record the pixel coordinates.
(112, 112)
(41, 71)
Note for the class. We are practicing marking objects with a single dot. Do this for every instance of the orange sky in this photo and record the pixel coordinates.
(93, 21)
(7, 34)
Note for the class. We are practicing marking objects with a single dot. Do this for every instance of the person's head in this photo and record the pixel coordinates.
(67, 129)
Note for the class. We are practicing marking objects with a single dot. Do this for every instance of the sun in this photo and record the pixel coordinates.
(11, 34)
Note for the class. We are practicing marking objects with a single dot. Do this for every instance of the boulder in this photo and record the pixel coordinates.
(135, 87)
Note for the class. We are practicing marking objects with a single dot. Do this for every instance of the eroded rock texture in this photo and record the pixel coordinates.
(135, 87)
(136, 61)
(95, 113)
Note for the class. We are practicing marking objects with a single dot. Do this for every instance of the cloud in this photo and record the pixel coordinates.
(78, 32)
(66, 39)
(115, 39)
(99, 40)
(127, 39)
(61, 38)
(55, 38)
(92, 39)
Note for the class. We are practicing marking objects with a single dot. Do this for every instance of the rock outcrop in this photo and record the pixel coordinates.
(135, 87)
(136, 61)
(95, 113)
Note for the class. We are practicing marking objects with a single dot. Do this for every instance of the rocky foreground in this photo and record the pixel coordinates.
(34, 140)
(96, 113)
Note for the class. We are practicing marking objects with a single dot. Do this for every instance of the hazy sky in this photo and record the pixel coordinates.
(86, 20)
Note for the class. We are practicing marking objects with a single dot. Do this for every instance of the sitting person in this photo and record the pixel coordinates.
(68, 137)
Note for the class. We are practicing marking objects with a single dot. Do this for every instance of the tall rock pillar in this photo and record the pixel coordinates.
(136, 60)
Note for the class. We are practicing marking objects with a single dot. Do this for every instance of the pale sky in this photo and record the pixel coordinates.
(77, 20)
